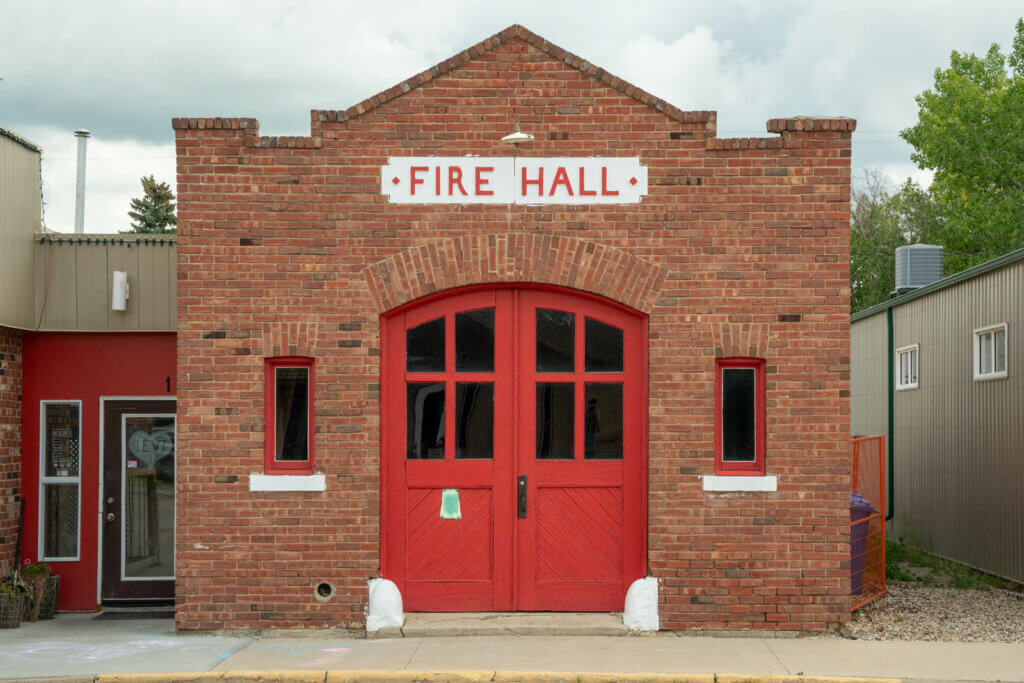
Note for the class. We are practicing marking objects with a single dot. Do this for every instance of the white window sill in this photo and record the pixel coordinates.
(906, 387)
(991, 375)
(740, 483)
(287, 482)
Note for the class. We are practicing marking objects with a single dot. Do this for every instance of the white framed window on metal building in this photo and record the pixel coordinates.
(907, 367)
(60, 480)
(990, 361)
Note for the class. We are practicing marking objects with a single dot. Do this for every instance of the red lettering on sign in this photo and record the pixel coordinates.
(561, 178)
(584, 192)
(413, 180)
(437, 181)
(539, 182)
(605, 192)
(481, 181)
(455, 178)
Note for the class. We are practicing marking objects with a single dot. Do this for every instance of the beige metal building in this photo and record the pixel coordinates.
(939, 371)
(61, 282)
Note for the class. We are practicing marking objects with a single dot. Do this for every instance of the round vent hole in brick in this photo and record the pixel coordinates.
(324, 591)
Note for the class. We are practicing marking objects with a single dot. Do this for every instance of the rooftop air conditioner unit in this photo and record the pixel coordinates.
(917, 265)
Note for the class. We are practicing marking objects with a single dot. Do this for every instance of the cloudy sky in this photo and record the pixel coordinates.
(123, 69)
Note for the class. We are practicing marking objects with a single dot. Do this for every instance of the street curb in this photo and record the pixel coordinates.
(386, 676)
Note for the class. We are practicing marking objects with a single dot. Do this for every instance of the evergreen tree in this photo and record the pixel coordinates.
(155, 211)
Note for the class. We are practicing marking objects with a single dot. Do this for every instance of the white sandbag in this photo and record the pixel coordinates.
(641, 610)
(385, 607)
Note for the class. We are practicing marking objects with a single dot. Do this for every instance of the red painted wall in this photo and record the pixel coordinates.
(84, 366)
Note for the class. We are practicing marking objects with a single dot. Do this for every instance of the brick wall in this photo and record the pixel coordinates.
(10, 444)
(740, 248)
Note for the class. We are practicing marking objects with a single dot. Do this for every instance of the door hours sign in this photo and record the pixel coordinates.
(513, 180)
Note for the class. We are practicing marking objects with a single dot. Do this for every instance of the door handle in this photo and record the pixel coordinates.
(521, 498)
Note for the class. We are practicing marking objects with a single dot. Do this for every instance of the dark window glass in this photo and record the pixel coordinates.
(291, 428)
(60, 510)
(555, 409)
(738, 415)
(424, 434)
(604, 347)
(555, 341)
(474, 420)
(60, 439)
(602, 422)
(474, 341)
(424, 347)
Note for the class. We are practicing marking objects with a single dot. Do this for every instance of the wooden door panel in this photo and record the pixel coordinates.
(450, 549)
(579, 535)
(583, 539)
(448, 564)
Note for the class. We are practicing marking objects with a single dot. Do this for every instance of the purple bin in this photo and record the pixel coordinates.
(860, 508)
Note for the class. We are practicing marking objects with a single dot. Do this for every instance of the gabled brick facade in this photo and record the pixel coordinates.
(286, 246)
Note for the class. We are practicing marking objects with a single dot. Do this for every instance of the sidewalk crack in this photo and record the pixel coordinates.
(412, 655)
(777, 659)
(232, 652)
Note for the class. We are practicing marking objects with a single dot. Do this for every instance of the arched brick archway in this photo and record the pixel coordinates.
(514, 257)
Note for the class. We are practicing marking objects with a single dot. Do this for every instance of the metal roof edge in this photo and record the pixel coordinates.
(948, 281)
(11, 135)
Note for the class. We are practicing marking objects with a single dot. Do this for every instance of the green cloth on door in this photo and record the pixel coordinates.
(450, 508)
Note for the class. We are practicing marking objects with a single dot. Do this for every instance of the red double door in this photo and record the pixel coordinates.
(514, 452)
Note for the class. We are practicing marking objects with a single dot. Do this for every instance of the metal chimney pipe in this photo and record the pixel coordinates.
(83, 140)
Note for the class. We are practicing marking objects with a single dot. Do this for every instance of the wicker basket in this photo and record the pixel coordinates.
(48, 606)
(12, 607)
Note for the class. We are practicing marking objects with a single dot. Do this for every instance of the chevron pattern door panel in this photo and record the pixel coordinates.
(449, 549)
(579, 534)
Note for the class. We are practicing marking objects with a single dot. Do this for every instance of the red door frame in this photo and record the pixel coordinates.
(508, 589)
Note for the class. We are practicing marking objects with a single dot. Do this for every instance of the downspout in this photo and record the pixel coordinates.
(891, 384)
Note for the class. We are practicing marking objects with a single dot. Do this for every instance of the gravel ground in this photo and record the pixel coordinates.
(913, 612)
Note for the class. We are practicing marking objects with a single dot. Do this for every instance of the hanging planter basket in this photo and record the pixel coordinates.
(51, 591)
(12, 607)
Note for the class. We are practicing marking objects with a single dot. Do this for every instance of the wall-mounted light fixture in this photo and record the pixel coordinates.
(119, 291)
(517, 137)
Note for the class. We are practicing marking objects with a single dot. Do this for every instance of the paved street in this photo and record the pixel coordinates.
(77, 645)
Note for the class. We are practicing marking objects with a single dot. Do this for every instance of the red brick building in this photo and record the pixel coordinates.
(654, 385)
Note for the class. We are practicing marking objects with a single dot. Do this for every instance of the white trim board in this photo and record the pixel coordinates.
(287, 482)
(739, 483)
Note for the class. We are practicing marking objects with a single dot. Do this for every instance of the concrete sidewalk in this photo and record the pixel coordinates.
(77, 645)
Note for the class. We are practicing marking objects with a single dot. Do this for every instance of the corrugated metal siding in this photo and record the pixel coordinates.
(20, 218)
(73, 282)
(959, 444)
(868, 368)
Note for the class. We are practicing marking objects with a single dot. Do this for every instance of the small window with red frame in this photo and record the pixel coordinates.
(289, 416)
(739, 416)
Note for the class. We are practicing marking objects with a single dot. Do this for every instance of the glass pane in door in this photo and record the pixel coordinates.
(555, 341)
(147, 497)
(555, 410)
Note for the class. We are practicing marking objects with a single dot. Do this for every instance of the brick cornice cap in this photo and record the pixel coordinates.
(812, 124)
(511, 258)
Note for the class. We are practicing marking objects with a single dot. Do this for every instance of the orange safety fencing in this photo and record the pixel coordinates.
(867, 521)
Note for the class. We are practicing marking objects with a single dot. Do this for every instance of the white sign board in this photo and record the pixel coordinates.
(513, 180)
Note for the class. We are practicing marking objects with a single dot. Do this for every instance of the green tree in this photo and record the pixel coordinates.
(155, 211)
(970, 131)
(882, 219)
